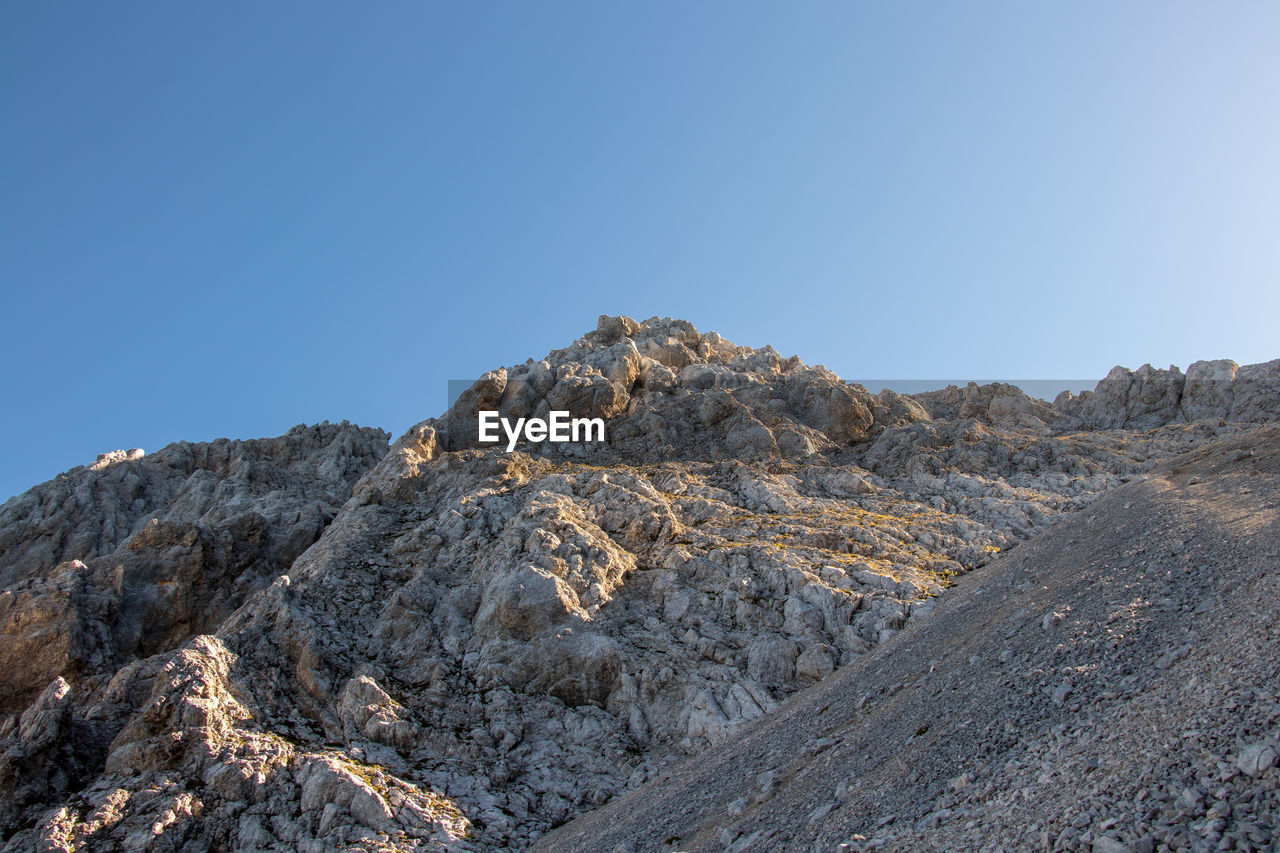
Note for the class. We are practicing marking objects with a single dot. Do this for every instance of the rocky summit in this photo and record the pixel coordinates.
(651, 641)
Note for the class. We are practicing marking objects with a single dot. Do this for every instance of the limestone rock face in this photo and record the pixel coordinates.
(1208, 392)
(135, 554)
(997, 403)
(481, 645)
(1255, 393)
(1217, 390)
(91, 511)
(1136, 399)
(132, 556)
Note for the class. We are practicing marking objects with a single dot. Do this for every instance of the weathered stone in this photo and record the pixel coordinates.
(1256, 758)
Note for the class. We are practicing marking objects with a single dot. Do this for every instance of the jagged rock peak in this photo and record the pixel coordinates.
(675, 343)
(669, 392)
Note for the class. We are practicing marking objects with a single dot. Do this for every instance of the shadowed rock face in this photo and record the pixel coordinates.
(131, 557)
(482, 644)
(135, 554)
(91, 511)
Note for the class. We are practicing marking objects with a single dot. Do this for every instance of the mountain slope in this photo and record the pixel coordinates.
(1111, 685)
(483, 645)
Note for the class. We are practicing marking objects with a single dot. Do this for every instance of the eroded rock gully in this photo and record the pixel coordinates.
(314, 643)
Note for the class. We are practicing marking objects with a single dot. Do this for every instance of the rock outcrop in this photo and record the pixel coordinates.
(315, 643)
(1147, 397)
(129, 558)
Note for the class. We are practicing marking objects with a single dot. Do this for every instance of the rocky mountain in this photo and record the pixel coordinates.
(316, 643)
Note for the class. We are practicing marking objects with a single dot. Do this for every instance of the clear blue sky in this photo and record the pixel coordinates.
(224, 219)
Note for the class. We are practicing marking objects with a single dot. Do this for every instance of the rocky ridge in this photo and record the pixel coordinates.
(124, 560)
(482, 645)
